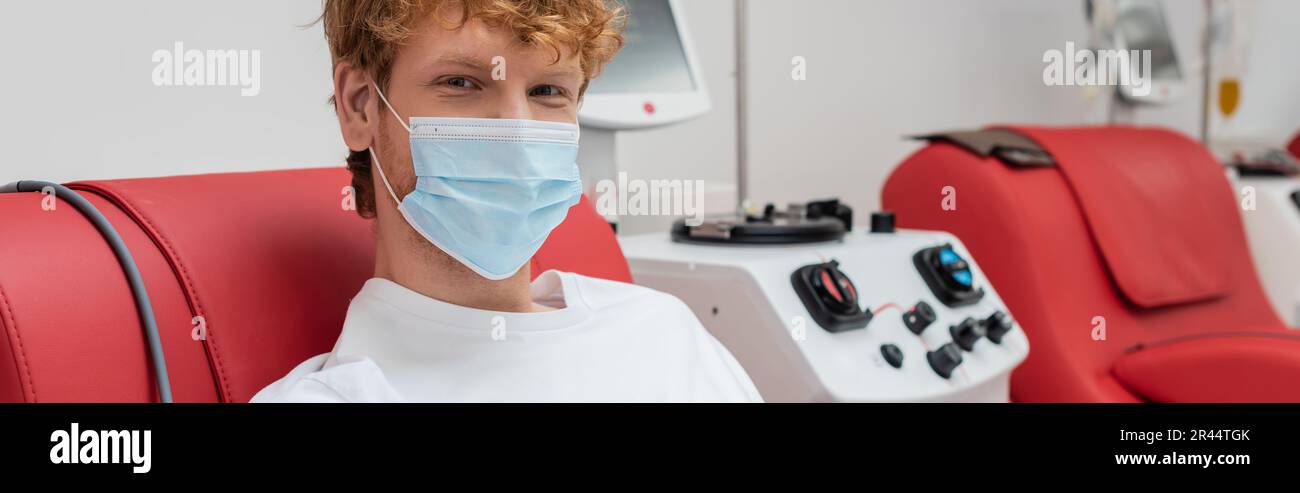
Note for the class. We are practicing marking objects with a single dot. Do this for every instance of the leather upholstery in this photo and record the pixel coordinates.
(269, 260)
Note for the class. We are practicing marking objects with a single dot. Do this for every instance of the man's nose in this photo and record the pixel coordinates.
(514, 105)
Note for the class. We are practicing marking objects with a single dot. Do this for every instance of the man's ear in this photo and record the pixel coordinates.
(354, 101)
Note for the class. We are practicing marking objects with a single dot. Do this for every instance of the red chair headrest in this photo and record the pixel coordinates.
(1157, 204)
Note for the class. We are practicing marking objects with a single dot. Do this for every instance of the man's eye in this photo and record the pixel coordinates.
(546, 91)
(460, 83)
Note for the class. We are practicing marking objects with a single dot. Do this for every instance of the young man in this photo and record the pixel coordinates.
(461, 120)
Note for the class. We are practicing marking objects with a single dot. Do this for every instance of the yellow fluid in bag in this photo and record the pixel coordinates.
(1229, 96)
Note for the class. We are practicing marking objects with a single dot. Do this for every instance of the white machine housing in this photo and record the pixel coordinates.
(745, 297)
(1273, 228)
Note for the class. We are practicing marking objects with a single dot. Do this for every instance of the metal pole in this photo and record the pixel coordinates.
(742, 126)
(1207, 43)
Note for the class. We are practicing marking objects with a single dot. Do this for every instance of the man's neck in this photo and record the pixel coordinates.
(423, 268)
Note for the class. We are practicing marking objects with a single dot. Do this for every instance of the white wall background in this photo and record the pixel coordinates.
(878, 71)
(82, 105)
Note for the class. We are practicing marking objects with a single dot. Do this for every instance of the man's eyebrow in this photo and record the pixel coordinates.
(564, 71)
(461, 60)
(478, 64)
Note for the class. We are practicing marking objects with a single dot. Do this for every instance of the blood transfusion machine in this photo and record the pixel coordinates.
(816, 315)
(812, 311)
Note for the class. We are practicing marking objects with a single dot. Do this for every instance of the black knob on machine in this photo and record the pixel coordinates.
(919, 317)
(835, 289)
(830, 297)
(956, 272)
(892, 354)
(945, 359)
(882, 222)
(948, 275)
(967, 333)
(997, 325)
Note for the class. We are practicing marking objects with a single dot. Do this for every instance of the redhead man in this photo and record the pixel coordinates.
(460, 117)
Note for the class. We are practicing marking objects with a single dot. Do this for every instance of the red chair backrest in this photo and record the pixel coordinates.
(269, 260)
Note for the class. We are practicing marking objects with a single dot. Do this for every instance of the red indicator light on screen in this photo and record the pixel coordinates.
(649, 108)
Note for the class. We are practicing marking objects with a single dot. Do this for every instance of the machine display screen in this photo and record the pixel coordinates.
(653, 59)
(1142, 25)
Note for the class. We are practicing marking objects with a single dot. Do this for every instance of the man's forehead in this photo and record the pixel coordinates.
(475, 44)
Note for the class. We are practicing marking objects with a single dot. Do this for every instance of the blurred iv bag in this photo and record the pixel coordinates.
(1230, 33)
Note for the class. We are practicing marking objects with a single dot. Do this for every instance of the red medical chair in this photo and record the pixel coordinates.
(268, 260)
(1130, 233)
(1295, 146)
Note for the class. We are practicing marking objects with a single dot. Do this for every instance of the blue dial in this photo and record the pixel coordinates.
(956, 267)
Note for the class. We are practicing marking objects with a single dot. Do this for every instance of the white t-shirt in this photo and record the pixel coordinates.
(605, 342)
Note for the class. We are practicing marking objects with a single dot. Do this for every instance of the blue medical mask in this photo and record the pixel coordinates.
(488, 191)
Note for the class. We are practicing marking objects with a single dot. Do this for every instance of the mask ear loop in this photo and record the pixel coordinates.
(374, 155)
(390, 108)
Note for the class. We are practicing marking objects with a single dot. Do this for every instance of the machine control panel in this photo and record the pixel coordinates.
(890, 316)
